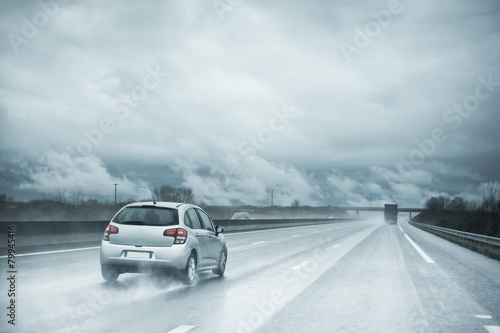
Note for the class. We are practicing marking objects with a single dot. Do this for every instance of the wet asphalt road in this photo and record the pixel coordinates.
(341, 277)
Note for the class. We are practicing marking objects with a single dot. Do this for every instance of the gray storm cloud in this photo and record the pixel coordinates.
(398, 100)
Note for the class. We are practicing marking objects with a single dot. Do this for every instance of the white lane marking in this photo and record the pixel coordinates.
(258, 242)
(483, 317)
(50, 252)
(400, 228)
(295, 236)
(493, 329)
(419, 250)
(182, 329)
(315, 232)
(335, 246)
(330, 229)
(299, 266)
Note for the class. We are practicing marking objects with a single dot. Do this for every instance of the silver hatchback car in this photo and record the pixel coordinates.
(162, 235)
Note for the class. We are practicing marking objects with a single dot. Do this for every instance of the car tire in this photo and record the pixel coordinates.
(189, 274)
(109, 274)
(221, 267)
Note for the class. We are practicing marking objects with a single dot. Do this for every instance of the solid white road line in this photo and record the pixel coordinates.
(50, 252)
(492, 329)
(419, 250)
(182, 329)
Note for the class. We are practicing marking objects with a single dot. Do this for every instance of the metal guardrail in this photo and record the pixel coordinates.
(467, 235)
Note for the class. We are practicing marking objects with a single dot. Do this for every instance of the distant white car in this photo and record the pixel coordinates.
(165, 235)
(241, 216)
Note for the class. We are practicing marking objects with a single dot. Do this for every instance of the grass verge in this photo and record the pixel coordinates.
(485, 249)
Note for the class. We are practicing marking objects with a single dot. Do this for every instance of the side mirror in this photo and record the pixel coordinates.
(218, 230)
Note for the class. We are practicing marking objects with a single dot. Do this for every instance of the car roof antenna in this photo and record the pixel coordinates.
(154, 201)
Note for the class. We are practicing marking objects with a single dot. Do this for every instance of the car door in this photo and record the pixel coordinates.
(202, 237)
(214, 243)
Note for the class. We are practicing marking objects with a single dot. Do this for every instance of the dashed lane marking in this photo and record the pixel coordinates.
(261, 242)
(182, 329)
(299, 266)
(335, 246)
(295, 236)
(483, 317)
(419, 250)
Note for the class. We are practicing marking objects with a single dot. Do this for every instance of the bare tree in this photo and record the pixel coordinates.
(438, 203)
(472, 206)
(78, 196)
(173, 194)
(60, 195)
(491, 194)
(459, 204)
(295, 202)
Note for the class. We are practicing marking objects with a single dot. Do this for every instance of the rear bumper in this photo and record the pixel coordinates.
(175, 256)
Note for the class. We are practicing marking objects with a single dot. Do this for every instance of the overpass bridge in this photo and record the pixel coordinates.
(381, 209)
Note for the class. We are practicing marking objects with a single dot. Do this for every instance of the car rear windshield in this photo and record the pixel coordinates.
(147, 215)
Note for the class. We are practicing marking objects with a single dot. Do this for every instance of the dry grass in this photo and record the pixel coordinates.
(485, 249)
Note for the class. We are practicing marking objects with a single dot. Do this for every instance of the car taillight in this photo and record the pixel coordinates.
(180, 235)
(110, 229)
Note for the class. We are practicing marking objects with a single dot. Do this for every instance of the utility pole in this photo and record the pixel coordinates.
(272, 197)
(115, 192)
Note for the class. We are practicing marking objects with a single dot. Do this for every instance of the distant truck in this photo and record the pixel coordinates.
(391, 213)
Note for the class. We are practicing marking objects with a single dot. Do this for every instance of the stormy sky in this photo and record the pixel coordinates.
(329, 102)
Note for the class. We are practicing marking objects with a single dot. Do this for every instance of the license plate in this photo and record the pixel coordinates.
(138, 255)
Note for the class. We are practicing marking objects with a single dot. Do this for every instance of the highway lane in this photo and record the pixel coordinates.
(354, 276)
(64, 291)
(385, 285)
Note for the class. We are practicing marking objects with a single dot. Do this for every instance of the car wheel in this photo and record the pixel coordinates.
(190, 270)
(221, 268)
(109, 274)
